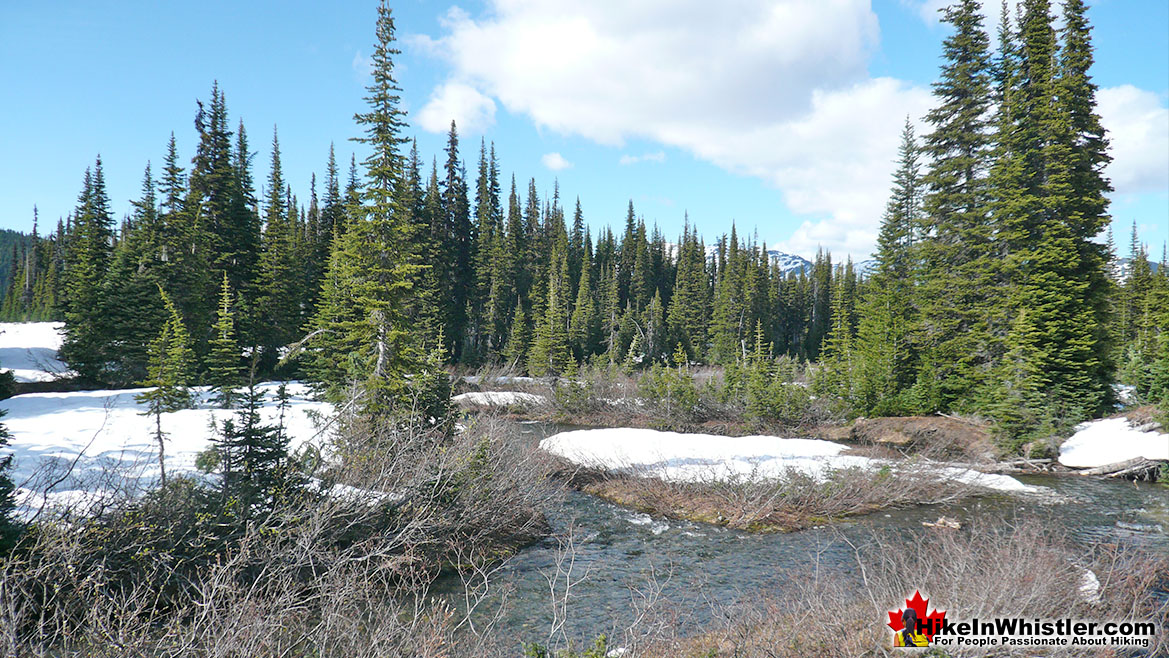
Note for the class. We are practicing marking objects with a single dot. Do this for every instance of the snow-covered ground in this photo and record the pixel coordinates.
(1110, 441)
(502, 379)
(497, 399)
(706, 457)
(29, 349)
(99, 442)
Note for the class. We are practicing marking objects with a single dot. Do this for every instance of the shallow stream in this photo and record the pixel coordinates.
(700, 568)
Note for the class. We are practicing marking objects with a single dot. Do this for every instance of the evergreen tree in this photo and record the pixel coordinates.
(131, 308)
(886, 355)
(583, 327)
(550, 353)
(611, 311)
(688, 307)
(224, 369)
(171, 368)
(362, 332)
(279, 294)
(88, 256)
(9, 527)
(516, 349)
(254, 465)
(957, 288)
(1086, 209)
(459, 239)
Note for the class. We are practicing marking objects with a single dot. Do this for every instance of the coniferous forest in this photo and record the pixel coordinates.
(994, 290)
(998, 292)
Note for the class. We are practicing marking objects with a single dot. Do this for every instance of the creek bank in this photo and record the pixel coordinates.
(756, 483)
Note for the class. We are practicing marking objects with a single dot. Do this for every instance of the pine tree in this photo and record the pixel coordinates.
(655, 339)
(550, 353)
(362, 332)
(9, 527)
(611, 311)
(87, 258)
(886, 355)
(1052, 268)
(838, 373)
(957, 288)
(687, 315)
(1086, 209)
(131, 308)
(459, 239)
(171, 369)
(224, 369)
(254, 465)
(515, 351)
(583, 327)
(278, 293)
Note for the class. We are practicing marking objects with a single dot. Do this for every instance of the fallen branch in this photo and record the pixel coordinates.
(1136, 467)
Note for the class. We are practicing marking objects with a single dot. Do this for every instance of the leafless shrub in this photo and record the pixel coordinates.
(984, 571)
(792, 501)
(344, 571)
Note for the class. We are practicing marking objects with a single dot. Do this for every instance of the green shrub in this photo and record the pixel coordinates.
(671, 390)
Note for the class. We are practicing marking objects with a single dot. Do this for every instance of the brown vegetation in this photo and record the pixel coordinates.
(984, 572)
(343, 571)
(792, 502)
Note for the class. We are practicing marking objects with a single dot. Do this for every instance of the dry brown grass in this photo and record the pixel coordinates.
(792, 502)
(984, 571)
(346, 573)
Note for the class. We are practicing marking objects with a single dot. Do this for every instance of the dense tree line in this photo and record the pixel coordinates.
(991, 295)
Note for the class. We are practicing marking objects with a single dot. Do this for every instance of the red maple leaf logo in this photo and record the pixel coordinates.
(930, 623)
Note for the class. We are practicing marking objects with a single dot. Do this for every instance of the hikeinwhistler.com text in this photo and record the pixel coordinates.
(1019, 632)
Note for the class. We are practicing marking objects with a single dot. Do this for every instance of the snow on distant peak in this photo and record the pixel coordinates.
(789, 263)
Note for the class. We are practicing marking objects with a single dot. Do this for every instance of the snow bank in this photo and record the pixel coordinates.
(1109, 441)
(29, 349)
(705, 457)
(502, 379)
(113, 443)
(497, 399)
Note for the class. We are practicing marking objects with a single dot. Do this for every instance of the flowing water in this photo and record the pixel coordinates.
(618, 552)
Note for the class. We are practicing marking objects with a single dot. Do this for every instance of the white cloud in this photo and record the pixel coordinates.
(1138, 131)
(471, 110)
(930, 12)
(657, 156)
(555, 162)
(776, 89)
(362, 66)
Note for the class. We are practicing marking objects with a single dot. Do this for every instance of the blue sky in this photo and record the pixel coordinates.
(780, 116)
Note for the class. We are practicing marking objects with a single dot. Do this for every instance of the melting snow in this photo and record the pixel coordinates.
(29, 350)
(1109, 441)
(705, 457)
(112, 443)
(496, 399)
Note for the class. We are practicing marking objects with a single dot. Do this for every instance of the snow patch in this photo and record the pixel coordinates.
(29, 350)
(112, 443)
(497, 399)
(502, 379)
(1110, 441)
(677, 457)
(1089, 586)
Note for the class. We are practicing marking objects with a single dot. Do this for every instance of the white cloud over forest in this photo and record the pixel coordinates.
(774, 89)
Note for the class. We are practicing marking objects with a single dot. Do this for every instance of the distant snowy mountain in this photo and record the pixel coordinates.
(865, 268)
(1124, 265)
(789, 263)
